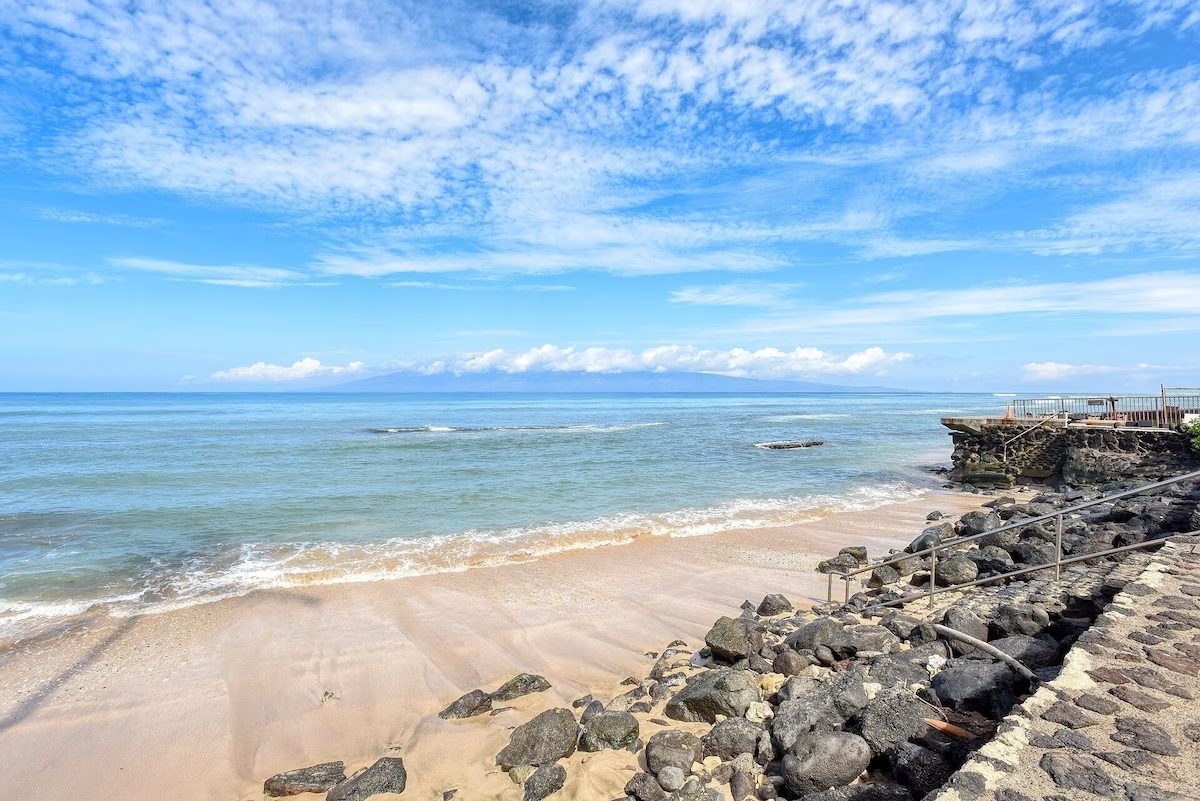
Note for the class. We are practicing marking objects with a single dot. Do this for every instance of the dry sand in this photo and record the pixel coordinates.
(206, 702)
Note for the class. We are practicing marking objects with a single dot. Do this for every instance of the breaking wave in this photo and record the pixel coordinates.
(214, 576)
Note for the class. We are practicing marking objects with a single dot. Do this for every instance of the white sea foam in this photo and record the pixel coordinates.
(784, 418)
(581, 427)
(260, 566)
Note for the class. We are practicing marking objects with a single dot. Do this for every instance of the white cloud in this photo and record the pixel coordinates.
(305, 368)
(90, 218)
(1050, 371)
(247, 276)
(760, 363)
(537, 145)
(747, 294)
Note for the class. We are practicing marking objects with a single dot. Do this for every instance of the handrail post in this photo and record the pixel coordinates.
(932, 574)
(846, 585)
(829, 589)
(1058, 548)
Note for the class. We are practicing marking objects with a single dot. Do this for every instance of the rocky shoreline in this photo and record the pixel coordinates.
(851, 703)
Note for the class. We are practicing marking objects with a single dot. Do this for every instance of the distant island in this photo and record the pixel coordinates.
(643, 381)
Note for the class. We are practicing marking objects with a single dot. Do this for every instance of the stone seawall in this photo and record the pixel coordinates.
(1073, 456)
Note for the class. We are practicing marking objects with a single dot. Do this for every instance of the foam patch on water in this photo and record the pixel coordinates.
(580, 427)
(257, 566)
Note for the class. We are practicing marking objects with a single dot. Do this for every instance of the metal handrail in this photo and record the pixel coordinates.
(912, 596)
(1057, 515)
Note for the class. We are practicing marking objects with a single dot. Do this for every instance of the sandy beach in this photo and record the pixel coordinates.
(208, 701)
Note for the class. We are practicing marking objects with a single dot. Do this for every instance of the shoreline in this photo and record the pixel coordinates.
(209, 700)
(284, 566)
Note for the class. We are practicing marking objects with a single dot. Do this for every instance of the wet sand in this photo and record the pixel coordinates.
(206, 702)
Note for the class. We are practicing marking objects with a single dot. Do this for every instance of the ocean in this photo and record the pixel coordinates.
(140, 503)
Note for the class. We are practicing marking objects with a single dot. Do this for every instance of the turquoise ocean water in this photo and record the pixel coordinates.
(143, 502)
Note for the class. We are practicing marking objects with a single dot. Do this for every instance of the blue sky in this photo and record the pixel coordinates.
(933, 195)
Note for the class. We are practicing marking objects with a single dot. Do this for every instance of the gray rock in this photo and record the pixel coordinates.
(817, 705)
(1069, 715)
(821, 760)
(789, 662)
(1013, 619)
(517, 686)
(672, 748)
(1139, 733)
(609, 730)
(894, 716)
(1033, 553)
(821, 631)
(956, 570)
(546, 780)
(720, 691)
(900, 623)
(774, 604)
(883, 576)
(865, 637)
(1075, 772)
(731, 639)
(473, 703)
(548, 737)
(1032, 652)
(1151, 792)
(977, 522)
(986, 688)
(838, 564)
(894, 670)
(644, 787)
(875, 791)
(313, 779)
(671, 778)
(991, 559)
(920, 769)
(594, 707)
(931, 536)
(387, 775)
(968, 623)
(731, 737)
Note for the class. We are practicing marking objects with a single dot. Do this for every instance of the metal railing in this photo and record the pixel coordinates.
(1167, 409)
(1057, 564)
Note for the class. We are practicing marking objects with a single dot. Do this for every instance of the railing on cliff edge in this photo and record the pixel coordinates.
(1166, 409)
(1057, 564)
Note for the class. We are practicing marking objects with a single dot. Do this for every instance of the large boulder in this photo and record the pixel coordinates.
(984, 687)
(673, 748)
(931, 536)
(977, 522)
(956, 570)
(313, 779)
(546, 780)
(644, 787)
(991, 559)
(720, 691)
(920, 769)
(882, 576)
(838, 564)
(548, 737)
(1013, 619)
(387, 775)
(1032, 652)
(821, 760)
(517, 686)
(966, 622)
(609, 730)
(774, 604)
(731, 737)
(894, 716)
(473, 703)
(821, 631)
(807, 705)
(731, 639)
